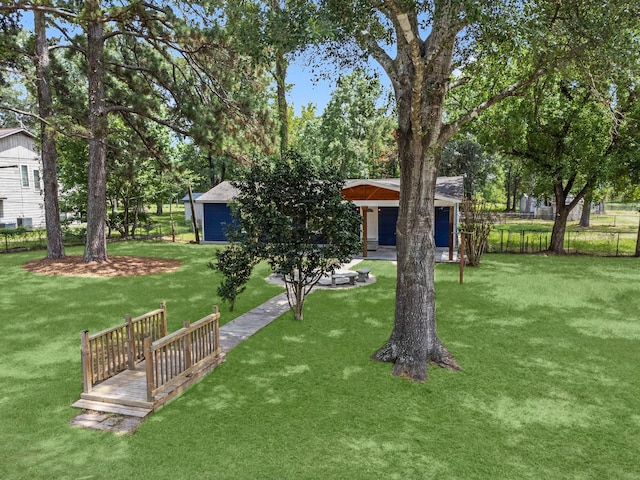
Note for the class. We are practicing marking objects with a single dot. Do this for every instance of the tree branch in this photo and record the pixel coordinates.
(14, 7)
(153, 118)
(515, 89)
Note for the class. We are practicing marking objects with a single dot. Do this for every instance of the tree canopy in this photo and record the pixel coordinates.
(475, 54)
(291, 213)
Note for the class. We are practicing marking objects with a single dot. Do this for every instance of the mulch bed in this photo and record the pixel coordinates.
(116, 266)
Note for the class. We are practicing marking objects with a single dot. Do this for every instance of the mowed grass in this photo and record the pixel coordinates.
(549, 389)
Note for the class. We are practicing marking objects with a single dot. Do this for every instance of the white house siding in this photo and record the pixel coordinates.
(187, 208)
(18, 203)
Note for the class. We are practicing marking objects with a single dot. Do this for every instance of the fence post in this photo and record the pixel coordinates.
(85, 352)
(163, 306)
(618, 244)
(148, 360)
(461, 259)
(131, 344)
(216, 333)
(187, 345)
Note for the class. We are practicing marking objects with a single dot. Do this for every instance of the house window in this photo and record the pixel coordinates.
(24, 172)
(36, 180)
(1, 208)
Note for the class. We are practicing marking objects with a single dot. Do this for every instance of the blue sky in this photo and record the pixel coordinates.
(305, 88)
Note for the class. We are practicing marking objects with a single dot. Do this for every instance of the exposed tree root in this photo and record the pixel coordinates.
(444, 359)
(385, 354)
(415, 371)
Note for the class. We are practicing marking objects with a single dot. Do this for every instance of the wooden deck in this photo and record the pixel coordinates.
(126, 393)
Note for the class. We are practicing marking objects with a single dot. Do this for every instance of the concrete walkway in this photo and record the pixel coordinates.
(234, 332)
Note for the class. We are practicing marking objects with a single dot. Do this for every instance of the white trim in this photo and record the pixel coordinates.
(376, 203)
(22, 177)
(438, 202)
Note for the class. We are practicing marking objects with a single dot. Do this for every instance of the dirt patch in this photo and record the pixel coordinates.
(75, 266)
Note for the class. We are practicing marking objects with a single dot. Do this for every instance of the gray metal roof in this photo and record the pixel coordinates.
(222, 193)
(449, 187)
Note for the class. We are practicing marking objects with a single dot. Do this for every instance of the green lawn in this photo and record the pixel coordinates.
(549, 348)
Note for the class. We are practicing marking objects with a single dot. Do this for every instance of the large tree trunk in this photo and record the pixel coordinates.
(559, 229)
(637, 254)
(281, 88)
(562, 213)
(96, 244)
(585, 217)
(281, 78)
(55, 247)
(194, 218)
(507, 184)
(414, 340)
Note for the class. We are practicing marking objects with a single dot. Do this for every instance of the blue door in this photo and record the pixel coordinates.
(441, 227)
(387, 220)
(216, 218)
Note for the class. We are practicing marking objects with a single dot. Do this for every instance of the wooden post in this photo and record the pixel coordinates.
(148, 360)
(131, 344)
(452, 216)
(85, 353)
(194, 219)
(365, 231)
(218, 348)
(216, 332)
(163, 306)
(187, 346)
(462, 234)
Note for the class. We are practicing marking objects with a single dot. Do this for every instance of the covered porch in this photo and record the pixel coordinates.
(391, 254)
(378, 202)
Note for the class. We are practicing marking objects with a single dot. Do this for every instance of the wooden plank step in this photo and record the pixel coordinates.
(96, 396)
(112, 408)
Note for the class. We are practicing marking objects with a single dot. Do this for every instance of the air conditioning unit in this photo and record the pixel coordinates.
(25, 222)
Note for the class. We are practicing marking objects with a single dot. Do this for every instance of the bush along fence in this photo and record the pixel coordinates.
(587, 242)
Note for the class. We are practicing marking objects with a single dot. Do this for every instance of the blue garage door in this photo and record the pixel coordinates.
(216, 218)
(442, 227)
(387, 220)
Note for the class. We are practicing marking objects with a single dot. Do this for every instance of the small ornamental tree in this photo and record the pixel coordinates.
(235, 263)
(292, 214)
(475, 226)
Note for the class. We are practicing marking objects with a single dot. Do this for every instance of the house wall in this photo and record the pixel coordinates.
(187, 212)
(372, 228)
(18, 201)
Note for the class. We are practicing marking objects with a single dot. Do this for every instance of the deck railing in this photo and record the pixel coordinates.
(170, 359)
(111, 351)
